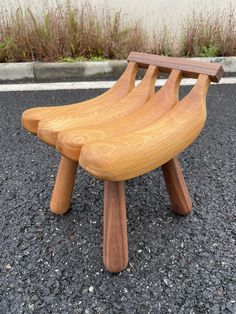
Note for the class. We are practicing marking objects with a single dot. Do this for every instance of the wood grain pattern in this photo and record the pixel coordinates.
(62, 192)
(69, 142)
(134, 154)
(124, 133)
(189, 67)
(32, 117)
(115, 241)
(49, 128)
(176, 187)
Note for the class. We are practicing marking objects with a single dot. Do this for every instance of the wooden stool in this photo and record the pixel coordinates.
(126, 132)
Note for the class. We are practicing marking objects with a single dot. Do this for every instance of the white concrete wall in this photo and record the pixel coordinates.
(150, 12)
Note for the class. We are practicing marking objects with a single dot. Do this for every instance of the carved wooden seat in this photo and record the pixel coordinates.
(126, 132)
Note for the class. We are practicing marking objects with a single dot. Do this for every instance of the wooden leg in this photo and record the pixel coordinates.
(62, 192)
(115, 241)
(176, 187)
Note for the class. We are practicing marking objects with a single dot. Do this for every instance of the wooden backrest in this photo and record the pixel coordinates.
(188, 67)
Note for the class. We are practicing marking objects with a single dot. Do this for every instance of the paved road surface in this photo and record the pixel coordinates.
(52, 264)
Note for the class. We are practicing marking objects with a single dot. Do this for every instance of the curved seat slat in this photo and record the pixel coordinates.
(32, 117)
(137, 153)
(69, 142)
(49, 128)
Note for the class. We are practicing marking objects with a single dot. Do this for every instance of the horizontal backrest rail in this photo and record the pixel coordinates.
(188, 67)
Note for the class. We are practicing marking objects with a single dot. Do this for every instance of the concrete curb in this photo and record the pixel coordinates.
(78, 70)
(228, 63)
(83, 71)
(16, 71)
(60, 71)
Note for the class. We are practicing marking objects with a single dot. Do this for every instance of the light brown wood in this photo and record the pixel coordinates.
(32, 117)
(70, 141)
(49, 128)
(139, 152)
(115, 241)
(189, 67)
(62, 192)
(176, 187)
(124, 133)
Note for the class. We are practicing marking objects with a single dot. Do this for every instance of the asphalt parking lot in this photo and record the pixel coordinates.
(53, 264)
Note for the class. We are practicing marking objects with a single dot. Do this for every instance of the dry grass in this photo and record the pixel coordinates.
(209, 33)
(66, 32)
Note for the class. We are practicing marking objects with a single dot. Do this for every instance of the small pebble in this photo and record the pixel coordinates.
(91, 288)
(8, 266)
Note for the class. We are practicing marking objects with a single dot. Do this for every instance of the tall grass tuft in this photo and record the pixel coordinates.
(78, 32)
(67, 32)
(209, 33)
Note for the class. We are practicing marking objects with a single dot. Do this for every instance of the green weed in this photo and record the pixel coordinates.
(211, 51)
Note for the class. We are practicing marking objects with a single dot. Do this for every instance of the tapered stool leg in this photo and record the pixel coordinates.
(115, 240)
(62, 192)
(176, 187)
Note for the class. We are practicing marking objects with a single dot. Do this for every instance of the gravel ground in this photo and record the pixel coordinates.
(53, 264)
